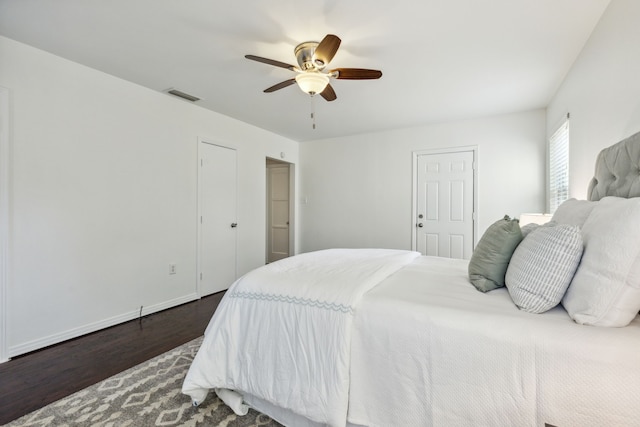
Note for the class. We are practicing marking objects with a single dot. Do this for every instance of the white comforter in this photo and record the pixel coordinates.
(421, 348)
(283, 332)
(445, 354)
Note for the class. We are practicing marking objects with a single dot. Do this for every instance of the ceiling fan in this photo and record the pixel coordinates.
(312, 78)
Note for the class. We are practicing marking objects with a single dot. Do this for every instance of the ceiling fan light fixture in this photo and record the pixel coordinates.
(312, 82)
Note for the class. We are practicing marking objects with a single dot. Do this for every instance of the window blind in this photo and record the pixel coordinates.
(559, 166)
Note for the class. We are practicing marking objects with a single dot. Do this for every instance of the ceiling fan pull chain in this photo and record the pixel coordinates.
(313, 112)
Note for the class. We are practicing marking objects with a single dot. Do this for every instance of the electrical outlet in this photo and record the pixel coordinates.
(172, 269)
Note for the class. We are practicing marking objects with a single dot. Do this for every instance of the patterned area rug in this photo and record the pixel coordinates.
(145, 395)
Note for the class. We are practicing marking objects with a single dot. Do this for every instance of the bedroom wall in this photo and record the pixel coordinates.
(103, 196)
(358, 189)
(601, 92)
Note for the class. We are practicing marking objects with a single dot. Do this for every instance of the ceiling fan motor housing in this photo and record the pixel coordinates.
(305, 54)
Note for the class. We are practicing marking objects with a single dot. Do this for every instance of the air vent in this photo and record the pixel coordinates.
(183, 95)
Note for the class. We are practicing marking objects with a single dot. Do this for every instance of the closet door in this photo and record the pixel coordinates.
(217, 222)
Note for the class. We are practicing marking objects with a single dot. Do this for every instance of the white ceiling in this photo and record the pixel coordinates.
(441, 60)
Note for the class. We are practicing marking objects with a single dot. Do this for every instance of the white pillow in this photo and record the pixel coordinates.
(526, 229)
(573, 211)
(605, 290)
(543, 265)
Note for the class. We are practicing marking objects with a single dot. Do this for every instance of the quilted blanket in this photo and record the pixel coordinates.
(283, 332)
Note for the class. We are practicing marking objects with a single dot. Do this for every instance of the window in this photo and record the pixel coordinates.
(559, 166)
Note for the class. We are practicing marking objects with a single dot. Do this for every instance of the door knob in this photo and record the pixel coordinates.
(420, 225)
(234, 224)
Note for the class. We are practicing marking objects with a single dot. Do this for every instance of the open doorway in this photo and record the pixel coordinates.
(279, 209)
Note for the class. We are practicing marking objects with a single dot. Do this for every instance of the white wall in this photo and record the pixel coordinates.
(103, 196)
(359, 188)
(601, 91)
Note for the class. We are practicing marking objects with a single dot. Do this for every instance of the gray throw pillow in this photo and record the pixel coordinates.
(543, 266)
(490, 259)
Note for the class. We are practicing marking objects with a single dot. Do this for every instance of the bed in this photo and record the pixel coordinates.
(374, 337)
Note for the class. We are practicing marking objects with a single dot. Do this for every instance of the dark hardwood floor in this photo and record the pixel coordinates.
(34, 380)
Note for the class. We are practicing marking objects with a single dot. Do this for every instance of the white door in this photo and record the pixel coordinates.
(217, 193)
(444, 204)
(277, 211)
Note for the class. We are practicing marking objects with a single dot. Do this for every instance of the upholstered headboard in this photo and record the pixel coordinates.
(617, 170)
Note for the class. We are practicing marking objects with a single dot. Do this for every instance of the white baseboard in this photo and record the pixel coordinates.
(95, 326)
(168, 304)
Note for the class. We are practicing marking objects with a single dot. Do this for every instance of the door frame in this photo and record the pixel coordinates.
(414, 188)
(292, 205)
(5, 178)
(199, 186)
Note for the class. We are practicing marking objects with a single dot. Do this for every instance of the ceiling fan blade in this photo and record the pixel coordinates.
(328, 93)
(271, 62)
(357, 73)
(327, 48)
(280, 85)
